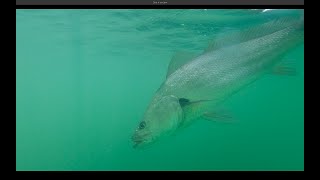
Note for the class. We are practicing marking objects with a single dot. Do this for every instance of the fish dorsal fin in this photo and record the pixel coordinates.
(178, 60)
(239, 36)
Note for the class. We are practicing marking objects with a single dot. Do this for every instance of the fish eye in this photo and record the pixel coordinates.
(142, 125)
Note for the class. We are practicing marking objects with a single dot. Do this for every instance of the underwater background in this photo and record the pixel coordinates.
(84, 79)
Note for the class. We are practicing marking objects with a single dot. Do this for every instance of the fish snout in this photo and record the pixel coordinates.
(138, 138)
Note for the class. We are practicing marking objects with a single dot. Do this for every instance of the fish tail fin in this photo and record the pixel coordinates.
(302, 14)
(301, 20)
(299, 25)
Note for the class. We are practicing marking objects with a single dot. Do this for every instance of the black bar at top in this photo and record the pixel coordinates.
(160, 2)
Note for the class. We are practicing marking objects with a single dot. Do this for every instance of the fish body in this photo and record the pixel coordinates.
(197, 86)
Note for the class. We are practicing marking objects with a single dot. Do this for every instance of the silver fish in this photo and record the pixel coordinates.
(196, 85)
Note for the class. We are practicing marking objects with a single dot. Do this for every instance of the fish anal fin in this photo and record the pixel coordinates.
(286, 69)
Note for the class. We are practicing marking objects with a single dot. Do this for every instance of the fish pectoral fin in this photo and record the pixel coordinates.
(284, 69)
(218, 117)
(186, 102)
(178, 60)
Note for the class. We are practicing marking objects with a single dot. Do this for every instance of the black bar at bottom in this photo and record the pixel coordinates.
(159, 2)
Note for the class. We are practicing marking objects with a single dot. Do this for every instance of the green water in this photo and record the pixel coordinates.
(85, 77)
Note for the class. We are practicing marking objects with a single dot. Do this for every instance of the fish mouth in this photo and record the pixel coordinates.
(137, 144)
(139, 139)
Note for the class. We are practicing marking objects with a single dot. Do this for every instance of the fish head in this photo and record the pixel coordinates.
(160, 119)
